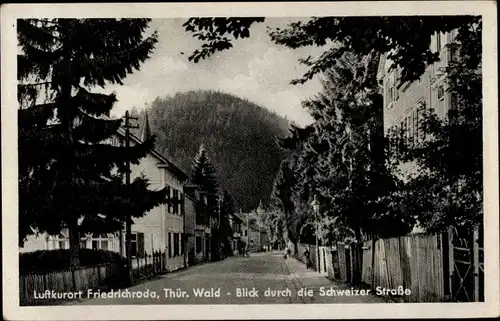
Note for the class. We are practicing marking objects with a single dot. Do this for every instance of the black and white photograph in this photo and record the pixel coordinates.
(328, 159)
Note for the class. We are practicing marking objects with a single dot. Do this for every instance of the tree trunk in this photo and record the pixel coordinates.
(74, 243)
(358, 257)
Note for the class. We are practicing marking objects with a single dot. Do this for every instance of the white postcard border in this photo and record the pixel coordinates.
(9, 13)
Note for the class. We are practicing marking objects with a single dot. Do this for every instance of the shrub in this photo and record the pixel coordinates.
(58, 260)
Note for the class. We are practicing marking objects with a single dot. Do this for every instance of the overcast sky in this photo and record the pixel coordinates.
(255, 68)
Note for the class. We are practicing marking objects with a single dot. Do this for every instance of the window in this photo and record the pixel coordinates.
(170, 199)
(414, 117)
(409, 130)
(181, 204)
(246, 233)
(137, 244)
(176, 244)
(440, 93)
(198, 244)
(401, 133)
(419, 114)
(454, 54)
(83, 244)
(100, 241)
(169, 244)
(438, 41)
(183, 242)
(176, 201)
(62, 244)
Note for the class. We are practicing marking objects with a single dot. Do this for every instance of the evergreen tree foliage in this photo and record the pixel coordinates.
(67, 169)
(203, 173)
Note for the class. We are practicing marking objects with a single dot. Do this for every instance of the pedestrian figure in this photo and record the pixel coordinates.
(286, 253)
(307, 256)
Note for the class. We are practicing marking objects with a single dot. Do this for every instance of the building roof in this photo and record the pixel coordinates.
(237, 217)
(163, 162)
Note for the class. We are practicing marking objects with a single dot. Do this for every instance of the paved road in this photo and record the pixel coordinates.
(262, 278)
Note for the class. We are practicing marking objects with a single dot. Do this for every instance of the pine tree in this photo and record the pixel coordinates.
(67, 170)
(203, 174)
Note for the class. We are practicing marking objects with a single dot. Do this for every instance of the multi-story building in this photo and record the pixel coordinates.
(196, 225)
(404, 102)
(252, 234)
(161, 229)
(235, 223)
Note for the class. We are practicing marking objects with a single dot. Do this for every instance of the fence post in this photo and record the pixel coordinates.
(74, 280)
(374, 242)
(138, 266)
(475, 263)
(451, 264)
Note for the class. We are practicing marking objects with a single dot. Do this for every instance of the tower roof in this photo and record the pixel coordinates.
(146, 130)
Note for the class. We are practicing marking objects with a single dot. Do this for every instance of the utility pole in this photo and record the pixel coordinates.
(128, 222)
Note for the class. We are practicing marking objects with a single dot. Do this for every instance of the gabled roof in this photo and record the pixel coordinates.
(237, 217)
(162, 161)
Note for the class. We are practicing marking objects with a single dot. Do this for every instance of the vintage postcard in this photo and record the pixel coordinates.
(247, 161)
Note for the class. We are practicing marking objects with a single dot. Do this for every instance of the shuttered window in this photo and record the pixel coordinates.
(176, 244)
(169, 244)
(140, 244)
(169, 206)
(183, 209)
(176, 201)
(198, 244)
(183, 237)
(137, 244)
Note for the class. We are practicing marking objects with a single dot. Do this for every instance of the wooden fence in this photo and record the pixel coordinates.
(411, 262)
(149, 265)
(103, 277)
(79, 279)
(414, 263)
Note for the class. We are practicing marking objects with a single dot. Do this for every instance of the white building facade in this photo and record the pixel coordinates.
(404, 102)
(160, 229)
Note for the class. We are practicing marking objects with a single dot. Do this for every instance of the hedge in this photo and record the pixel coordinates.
(58, 260)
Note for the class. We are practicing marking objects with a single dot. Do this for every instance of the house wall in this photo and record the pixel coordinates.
(158, 225)
(174, 224)
(190, 225)
(202, 249)
(254, 238)
(402, 101)
(153, 222)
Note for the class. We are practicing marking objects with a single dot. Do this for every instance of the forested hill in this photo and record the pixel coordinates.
(239, 136)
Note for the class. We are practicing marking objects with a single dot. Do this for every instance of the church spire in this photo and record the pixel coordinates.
(146, 131)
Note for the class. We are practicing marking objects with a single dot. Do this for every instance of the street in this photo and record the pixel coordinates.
(262, 278)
